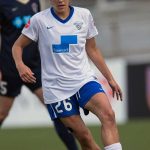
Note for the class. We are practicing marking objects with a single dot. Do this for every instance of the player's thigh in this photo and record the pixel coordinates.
(10, 87)
(76, 125)
(68, 112)
(99, 104)
(39, 93)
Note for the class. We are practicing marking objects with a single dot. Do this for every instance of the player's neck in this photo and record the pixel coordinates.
(64, 13)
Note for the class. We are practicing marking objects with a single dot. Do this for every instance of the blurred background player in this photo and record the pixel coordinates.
(14, 14)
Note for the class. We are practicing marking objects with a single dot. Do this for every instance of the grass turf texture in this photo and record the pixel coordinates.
(135, 135)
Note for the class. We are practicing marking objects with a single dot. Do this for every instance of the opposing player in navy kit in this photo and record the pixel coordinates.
(65, 35)
(14, 14)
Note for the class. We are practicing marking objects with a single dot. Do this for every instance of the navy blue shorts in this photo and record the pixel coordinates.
(11, 85)
(70, 106)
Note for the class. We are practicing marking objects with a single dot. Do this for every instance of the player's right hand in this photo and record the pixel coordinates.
(25, 73)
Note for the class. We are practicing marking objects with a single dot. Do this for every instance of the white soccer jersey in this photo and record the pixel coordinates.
(65, 66)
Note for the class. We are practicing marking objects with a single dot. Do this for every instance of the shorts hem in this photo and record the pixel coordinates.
(89, 97)
(64, 116)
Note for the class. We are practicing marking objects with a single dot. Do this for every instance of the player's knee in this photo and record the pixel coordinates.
(108, 118)
(83, 136)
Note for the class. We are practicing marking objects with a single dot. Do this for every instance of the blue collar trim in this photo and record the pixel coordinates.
(63, 20)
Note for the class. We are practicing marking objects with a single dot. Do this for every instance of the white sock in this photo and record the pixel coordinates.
(115, 146)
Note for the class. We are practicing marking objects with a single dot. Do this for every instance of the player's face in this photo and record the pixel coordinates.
(60, 6)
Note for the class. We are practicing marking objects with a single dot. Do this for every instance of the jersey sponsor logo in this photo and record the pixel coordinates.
(66, 41)
(19, 22)
(78, 25)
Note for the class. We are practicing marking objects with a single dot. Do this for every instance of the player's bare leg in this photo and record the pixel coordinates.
(100, 106)
(39, 93)
(5, 106)
(81, 132)
(61, 130)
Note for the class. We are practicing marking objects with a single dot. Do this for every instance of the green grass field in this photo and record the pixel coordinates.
(135, 135)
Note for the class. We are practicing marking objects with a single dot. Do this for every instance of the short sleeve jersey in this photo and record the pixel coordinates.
(65, 66)
(13, 17)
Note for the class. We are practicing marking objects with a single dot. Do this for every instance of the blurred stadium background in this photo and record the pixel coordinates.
(124, 38)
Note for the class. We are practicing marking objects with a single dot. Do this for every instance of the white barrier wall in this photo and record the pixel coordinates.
(27, 111)
(118, 69)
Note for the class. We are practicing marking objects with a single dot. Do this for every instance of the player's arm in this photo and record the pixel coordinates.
(95, 55)
(25, 72)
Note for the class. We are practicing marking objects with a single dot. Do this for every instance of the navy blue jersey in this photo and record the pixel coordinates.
(13, 17)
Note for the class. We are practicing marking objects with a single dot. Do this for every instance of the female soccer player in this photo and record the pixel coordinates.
(65, 35)
(14, 14)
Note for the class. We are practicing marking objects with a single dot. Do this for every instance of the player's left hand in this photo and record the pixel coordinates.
(115, 89)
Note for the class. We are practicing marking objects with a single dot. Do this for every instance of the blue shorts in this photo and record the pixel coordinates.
(70, 106)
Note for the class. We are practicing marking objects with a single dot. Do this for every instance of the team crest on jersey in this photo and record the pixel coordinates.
(78, 25)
